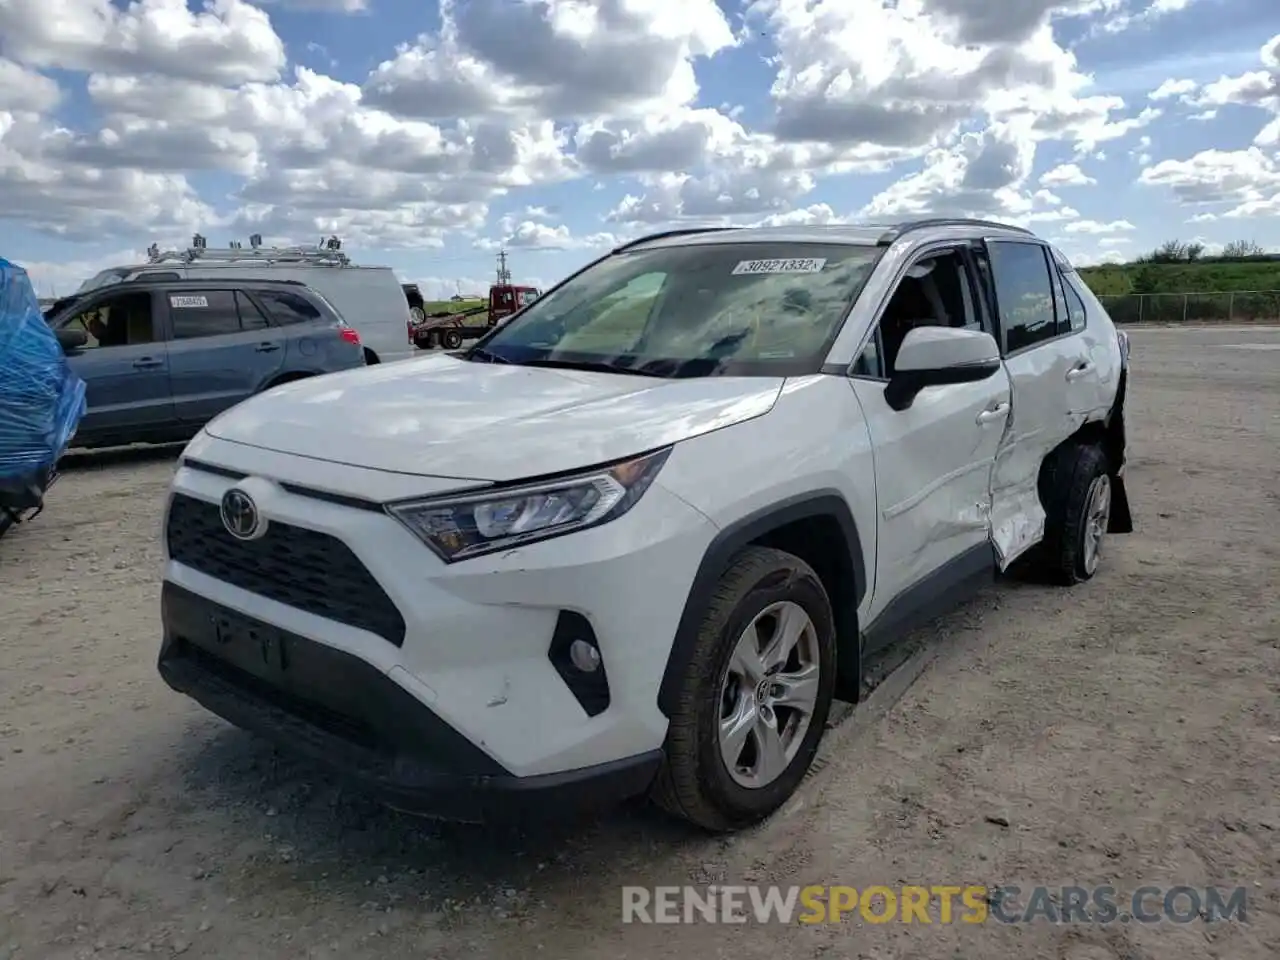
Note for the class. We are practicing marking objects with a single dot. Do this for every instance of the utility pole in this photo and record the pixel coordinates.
(504, 275)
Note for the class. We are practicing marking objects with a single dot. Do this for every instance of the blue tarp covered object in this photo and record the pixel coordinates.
(41, 399)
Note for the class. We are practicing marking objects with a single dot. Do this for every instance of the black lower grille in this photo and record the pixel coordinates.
(301, 568)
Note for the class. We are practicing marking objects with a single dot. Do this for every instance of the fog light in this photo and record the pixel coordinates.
(584, 656)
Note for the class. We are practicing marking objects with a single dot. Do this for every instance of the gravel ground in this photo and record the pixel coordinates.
(1126, 732)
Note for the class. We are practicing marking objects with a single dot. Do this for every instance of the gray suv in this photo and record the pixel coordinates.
(161, 359)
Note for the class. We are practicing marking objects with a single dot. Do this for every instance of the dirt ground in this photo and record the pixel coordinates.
(1125, 732)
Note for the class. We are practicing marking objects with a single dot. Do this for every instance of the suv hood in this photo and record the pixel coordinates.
(444, 417)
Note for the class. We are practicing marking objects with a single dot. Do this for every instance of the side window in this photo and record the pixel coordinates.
(1075, 307)
(868, 362)
(1024, 293)
(123, 320)
(251, 317)
(935, 292)
(204, 313)
(1063, 319)
(286, 307)
(986, 284)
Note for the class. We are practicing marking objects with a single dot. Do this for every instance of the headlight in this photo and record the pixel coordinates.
(460, 527)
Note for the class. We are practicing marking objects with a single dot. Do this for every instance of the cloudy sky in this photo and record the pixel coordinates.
(429, 133)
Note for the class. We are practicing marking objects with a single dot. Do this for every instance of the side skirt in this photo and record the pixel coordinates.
(936, 594)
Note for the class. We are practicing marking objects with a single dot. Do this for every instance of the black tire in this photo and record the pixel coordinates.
(694, 782)
(452, 339)
(1067, 486)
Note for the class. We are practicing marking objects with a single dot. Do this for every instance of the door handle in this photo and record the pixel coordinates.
(146, 363)
(1081, 369)
(267, 347)
(992, 414)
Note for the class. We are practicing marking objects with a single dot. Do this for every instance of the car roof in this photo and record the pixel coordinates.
(853, 234)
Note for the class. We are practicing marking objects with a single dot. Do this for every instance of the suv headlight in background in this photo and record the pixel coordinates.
(470, 525)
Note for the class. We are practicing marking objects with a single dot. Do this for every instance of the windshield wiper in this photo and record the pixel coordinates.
(594, 366)
(485, 356)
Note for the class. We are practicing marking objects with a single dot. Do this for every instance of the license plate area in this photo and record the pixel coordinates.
(271, 665)
(254, 647)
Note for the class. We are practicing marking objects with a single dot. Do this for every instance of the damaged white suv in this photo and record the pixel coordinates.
(638, 538)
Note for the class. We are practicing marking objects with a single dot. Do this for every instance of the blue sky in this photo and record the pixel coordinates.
(428, 136)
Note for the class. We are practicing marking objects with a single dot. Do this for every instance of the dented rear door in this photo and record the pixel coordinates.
(1043, 357)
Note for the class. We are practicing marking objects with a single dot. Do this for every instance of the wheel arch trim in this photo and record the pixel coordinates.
(719, 555)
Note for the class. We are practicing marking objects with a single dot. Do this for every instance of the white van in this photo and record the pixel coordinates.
(367, 298)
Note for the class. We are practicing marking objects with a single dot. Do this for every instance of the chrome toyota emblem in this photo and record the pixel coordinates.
(240, 515)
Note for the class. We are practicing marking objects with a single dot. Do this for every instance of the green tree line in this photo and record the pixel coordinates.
(1180, 267)
(1177, 281)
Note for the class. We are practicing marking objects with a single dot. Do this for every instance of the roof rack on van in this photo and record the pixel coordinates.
(319, 256)
(895, 232)
(665, 234)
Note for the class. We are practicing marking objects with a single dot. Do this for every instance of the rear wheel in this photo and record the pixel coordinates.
(753, 701)
(1077, 497)
(452, 339)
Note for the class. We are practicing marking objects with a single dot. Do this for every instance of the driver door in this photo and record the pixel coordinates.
(933, 460)
(124, 366)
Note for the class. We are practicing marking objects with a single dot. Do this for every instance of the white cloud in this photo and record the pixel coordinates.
(557, 58)
(1172, 89)
(26, 91)
(228, 41)
(1215, 176)
(531, 235)
(503, 97)
(1066, 175)
(1098, 228)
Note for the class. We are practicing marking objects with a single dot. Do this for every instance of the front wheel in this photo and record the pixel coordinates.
(753, 701)
(452, 339)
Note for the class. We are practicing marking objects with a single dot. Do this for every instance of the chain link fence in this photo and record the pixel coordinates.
(1239, 307)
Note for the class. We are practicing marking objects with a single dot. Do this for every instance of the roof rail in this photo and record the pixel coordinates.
(214, 282)
(893, 233)
(680, 232)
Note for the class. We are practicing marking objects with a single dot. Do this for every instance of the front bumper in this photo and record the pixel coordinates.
(349, 716)
(478, 642)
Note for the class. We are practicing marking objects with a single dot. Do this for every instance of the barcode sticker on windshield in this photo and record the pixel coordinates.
(188, 301)
(805, 265)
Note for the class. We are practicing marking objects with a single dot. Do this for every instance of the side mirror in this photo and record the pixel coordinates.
(71, 339)
(936, 356)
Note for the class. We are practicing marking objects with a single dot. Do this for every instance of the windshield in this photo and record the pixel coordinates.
(103, 279)
(725, 309)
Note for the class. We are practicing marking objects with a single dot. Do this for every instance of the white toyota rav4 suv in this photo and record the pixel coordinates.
(638, 538)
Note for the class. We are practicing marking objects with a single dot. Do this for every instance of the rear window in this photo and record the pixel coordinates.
(288, 307)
